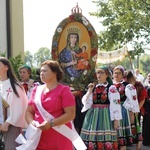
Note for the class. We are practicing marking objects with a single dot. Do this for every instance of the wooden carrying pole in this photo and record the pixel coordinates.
(129, 59)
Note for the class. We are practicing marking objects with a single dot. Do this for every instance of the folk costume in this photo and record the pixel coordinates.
(141, 95)
(103, 106)
(129, 106)
(124, 132)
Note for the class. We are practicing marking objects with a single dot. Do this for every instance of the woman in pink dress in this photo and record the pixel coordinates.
(58, 101)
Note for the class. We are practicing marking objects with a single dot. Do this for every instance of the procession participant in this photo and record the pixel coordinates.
(25, 77)
(102, 100)
(16, 101)
(141, 95)
(52, 109)
(129, 106)
(146, 115)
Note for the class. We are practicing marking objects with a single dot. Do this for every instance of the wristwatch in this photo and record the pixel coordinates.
(51, 122)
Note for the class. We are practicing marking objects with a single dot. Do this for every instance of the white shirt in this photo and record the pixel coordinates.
(17, 105)
(131, 102)
(114, 97)
(140, 78)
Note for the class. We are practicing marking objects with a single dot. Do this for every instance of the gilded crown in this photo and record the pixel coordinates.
(76, 10)
(73, 30)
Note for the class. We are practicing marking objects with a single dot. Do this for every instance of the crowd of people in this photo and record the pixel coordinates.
(111, 114)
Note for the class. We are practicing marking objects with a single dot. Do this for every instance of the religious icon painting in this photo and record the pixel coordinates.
(75, 47)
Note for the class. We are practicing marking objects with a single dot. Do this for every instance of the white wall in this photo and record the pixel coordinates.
(3, 27)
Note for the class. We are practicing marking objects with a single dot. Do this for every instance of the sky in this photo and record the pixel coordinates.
(41, 17)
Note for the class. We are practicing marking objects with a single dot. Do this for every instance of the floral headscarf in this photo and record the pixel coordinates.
(108, 73)
(121, 68)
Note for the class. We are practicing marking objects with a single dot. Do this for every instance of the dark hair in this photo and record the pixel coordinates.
(11, 75)
(68, 37)
(55, 67)
(84, 47)
(129, 76)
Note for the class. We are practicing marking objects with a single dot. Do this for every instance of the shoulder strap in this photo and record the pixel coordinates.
(71, 134)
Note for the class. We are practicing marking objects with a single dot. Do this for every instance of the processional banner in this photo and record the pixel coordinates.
(112, 56)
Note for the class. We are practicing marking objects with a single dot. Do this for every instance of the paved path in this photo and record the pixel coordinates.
(133, 147)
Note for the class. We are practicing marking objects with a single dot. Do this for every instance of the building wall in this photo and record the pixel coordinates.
(16, 30)
(11, 27)
(3, 31)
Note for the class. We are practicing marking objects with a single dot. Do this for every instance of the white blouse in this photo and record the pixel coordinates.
(114, 98)
(1, 111)
(17, 105)
(131, 102)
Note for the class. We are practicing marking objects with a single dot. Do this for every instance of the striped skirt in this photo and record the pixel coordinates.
(10, 137)
(124, 131)
(97, 130)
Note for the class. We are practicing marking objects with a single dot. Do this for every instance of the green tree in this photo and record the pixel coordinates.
(2, 54)
(124, 20)
(35, 60)
(29, 59)
(41, 55)
(16, 62)
(144, 64)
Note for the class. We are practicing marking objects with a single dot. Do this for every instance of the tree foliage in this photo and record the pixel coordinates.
(145, 63)
(124, 21)
(16, 62)
(29, 59)
(35, 60)
(41, 55)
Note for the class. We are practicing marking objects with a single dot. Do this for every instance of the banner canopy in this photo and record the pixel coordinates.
(112, 56)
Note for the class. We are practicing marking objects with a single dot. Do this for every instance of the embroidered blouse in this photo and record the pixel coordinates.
(121, 89)
(104, 94)
(131, 102)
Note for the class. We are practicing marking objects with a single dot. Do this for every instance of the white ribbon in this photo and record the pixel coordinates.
(31, 141)
(71, 134)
